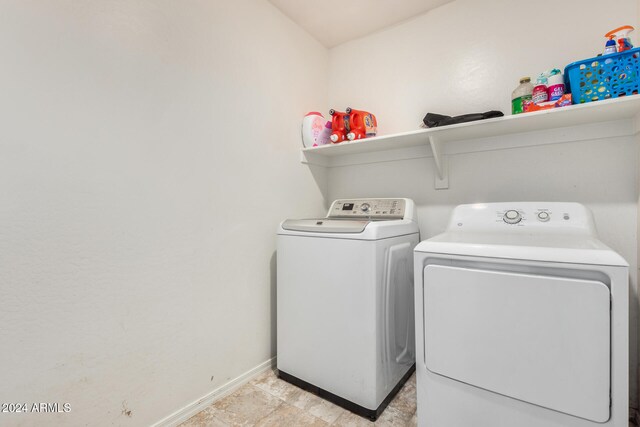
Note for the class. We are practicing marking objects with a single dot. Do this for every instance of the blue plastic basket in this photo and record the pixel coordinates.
(604, 77)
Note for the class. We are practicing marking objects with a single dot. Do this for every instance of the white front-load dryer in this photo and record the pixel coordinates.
(521, 320)
(345, 327)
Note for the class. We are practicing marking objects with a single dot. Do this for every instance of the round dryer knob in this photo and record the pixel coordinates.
(543, 216)
(512, 217)
(365, 207)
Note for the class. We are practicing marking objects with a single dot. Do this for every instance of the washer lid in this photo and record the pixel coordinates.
(324, 225)
(355, 229)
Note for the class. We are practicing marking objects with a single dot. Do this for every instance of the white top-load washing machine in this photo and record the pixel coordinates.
(345, 327)
(522, 320)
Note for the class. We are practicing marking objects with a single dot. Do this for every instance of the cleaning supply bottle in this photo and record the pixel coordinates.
(362, 124)
(622, 34)
(540, 93)
(324, 137)
(339, 126)
(520, 95)
(555, 85)
(610, 46)
(312, 125)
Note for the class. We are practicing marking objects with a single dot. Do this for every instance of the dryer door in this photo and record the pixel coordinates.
(539, 339)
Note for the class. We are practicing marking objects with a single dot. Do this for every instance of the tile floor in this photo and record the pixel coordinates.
(269, 401)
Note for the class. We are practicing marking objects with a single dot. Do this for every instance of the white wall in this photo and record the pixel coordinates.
(467, 56)
(148, 150)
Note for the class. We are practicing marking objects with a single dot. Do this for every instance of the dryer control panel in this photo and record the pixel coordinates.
(520, 216)
(534, 217)
(376, 209)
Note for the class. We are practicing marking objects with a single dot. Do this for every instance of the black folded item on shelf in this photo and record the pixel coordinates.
(433, 120)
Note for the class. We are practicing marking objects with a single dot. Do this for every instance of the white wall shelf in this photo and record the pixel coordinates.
(610, 118)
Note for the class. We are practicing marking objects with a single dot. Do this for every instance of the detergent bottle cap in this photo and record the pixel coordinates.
(525, 79)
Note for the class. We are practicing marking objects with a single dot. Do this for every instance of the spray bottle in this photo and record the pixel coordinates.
(622, 34)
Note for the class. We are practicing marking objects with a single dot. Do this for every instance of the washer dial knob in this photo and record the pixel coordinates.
(365, 207)
(512, 217)
(544, 216)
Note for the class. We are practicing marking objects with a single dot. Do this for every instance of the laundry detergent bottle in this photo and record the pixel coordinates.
(312, 126)
(362, 124)
(339, 126)
(521, 95)
(540, 93)
(555, 86)
(324, 137)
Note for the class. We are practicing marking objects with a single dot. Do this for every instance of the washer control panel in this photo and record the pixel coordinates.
(368, 208)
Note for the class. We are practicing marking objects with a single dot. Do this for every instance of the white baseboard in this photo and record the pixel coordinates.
(193, 408)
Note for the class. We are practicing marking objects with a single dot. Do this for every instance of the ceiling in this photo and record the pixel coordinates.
(333, 22)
